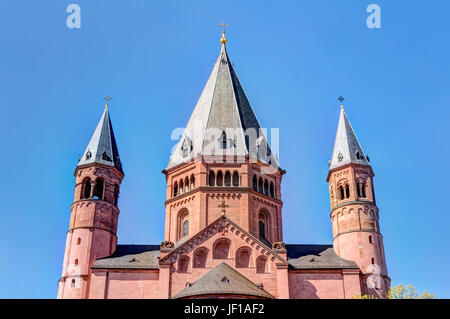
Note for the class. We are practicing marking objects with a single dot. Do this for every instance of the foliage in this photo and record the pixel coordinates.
(401, 292)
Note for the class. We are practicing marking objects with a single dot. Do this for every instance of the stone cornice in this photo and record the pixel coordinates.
(354, 202)
(358, 231)
(227, 189)
(346, 166)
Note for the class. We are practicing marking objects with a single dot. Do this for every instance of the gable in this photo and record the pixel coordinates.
(225, 229)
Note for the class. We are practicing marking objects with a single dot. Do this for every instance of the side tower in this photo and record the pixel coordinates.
(354, 214)
(94, 211)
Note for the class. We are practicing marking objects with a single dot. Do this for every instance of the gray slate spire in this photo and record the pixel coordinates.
(222, 107)
(346, 146)
(102, 147)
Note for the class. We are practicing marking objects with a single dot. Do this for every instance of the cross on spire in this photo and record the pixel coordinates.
(107, 99)
(223, 25)
(341, 99)
(223, 206)
(223, 40)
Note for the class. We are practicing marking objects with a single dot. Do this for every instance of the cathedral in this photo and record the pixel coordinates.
(223, 235)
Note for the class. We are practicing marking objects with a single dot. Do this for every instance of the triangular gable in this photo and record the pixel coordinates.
(223, 279)
(222, 225)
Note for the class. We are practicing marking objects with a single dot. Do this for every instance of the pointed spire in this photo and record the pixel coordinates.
(222, 121)
(346, 146)
(102, 148)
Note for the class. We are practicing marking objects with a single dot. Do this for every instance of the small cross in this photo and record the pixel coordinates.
(341, 99)
(223, 25)
(223, 206)
(107, 99)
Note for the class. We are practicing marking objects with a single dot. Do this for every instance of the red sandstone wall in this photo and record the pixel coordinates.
(131, 284)
(316, 285)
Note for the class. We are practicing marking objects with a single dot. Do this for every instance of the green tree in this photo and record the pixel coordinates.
(401, 292)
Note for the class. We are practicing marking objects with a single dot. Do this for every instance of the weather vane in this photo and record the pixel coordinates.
(107, 99)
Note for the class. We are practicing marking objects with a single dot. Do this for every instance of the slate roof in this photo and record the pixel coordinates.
(223, 279)
(316, 257)
(102, 147)
(346, 146)
(131, 257)
(223, 106)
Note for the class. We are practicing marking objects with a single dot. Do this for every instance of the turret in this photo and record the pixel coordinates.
(94, 212)
(354, 214)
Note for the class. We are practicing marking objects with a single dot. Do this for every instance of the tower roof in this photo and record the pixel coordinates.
(102, 147)
(346, 148)
(223, 111)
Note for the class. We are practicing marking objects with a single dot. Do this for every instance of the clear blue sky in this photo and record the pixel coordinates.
(293, 57)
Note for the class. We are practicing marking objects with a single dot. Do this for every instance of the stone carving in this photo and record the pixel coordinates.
(167, 244)
(279, 245)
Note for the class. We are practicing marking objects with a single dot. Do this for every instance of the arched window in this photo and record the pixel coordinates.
(181, 186)
(261, 263)
(223, 140)
(227, 178)
(200, 257)
(78, 241)
(219, 178)
(263, 225)
(373, 261)
(341, 192)
(175, 189)
(183, 223)
(370, 239)
(266, 187)
(186, 183)
(86, 192)
(260, 185)
(212, 178)
(243, 257)
(116, 194)
(183, 264)
(347, 191)
(358, 189)
(185, 228)
(76, 262)
(221, 249)
(192, 181)
(363, 189)
(272, 191)
(262, 229)
(255, 183)
(98, 189)
(72, 284)
(235, 178)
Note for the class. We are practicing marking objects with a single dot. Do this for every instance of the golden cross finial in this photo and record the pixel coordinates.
(223, 40)
(223, 206)
(107, 99)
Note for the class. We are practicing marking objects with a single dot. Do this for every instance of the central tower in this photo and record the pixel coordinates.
(223, 159)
